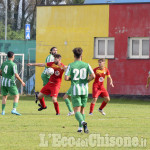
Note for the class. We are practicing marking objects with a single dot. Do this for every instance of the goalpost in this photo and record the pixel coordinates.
(20, 65)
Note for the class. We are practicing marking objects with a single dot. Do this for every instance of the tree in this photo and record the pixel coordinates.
(74, 1)
(21, 12)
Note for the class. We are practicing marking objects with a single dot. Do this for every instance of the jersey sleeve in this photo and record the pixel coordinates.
(90, 70)
(49, 64)
(62, 65)
(49, 58)
(67, 73)
(94, 70)
(15, 69)
(108, 73)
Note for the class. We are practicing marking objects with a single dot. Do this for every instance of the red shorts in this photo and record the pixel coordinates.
(99, 91)
(50, 89)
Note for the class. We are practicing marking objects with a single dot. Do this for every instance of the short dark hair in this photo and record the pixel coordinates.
(10, 54)
(57, 56)
(52, 49)
(101, 59)
(77, 52)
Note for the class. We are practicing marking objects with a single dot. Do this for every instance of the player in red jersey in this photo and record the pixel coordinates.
(98, 86)
(53, 86)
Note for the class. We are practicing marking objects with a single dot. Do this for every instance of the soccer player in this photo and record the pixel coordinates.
(49, 58)
(53, 86)
(8, 71)
(98, 86)
(44, 76)
(67, 101)
(80, 73)
(148, 80)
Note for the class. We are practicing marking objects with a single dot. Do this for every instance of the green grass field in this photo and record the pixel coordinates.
(124, 118)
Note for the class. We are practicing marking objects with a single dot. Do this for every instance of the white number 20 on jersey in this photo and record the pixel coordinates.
(82, 74)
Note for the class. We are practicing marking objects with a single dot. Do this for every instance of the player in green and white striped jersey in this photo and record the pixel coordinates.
(49, 58)
(8, 71)
(80, 73)
(44, 76)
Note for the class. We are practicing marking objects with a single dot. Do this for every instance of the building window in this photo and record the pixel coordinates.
(103, 47)
(138, 47)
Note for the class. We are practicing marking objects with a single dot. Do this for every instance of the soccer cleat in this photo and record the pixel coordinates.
(101, 111)
(91, 114)
(41, 108)
(15, 112)
(57, 114)
(79, 131)
(71, 113)
(36, 97)
(85, 127)
(3, 113)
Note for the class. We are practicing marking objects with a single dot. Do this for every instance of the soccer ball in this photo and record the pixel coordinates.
(50, 71)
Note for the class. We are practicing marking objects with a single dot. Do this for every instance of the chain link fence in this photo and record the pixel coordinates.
(28, 49)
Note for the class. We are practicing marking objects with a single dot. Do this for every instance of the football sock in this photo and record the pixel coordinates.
(92, 107)
(56, 105)
(79, 117)
(15, 105)
(103, 105)
(67, 101)
(83, 115)
(80, 125)
(42, 102)
(3, 107)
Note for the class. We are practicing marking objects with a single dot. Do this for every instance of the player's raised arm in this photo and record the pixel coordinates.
(148, 81)
(110, 81)
(37, 64)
